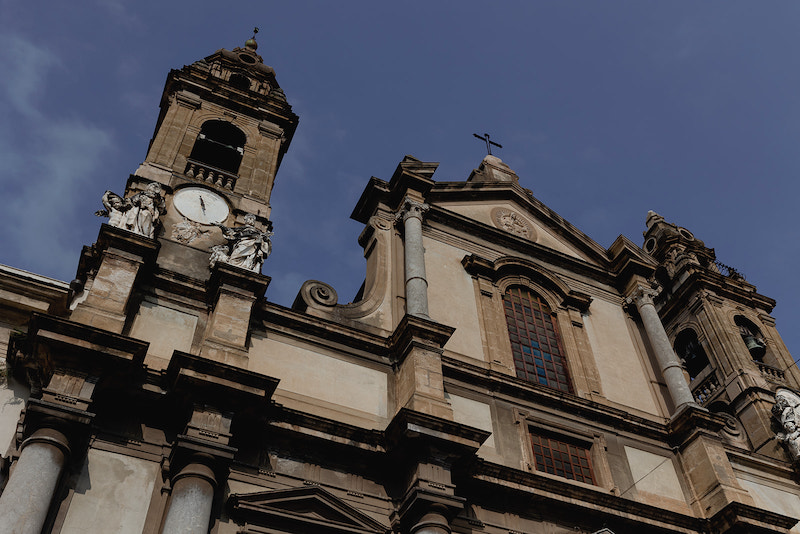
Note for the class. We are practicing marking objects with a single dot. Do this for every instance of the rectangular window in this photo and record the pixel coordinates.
(561, 458)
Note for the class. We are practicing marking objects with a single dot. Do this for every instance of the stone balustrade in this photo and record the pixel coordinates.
(705, 389)
(771, 373)
(210, 175)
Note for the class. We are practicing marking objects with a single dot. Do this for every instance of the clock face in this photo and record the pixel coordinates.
(200, 205)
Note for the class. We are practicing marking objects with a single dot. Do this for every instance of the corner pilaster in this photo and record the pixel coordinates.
(122, 257)
(233, 292)
(417, 344)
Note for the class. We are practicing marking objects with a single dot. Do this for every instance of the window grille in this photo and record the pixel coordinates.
(562, 459)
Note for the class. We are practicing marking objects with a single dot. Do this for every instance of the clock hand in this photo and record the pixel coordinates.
(202, 205)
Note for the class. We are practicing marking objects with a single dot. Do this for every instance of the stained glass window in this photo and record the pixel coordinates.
(535, 342)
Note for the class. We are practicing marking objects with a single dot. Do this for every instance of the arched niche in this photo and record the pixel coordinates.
(219, 144)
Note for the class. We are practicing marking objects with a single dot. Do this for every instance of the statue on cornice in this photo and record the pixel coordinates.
(139, 213)
(247, 247)
(115, 208)
(146, 207)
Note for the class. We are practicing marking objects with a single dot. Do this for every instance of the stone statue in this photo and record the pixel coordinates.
(115, 208)
(138, 213)
(247, 246)
(146, 207)
(785, 411)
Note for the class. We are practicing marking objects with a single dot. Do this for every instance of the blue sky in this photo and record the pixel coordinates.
(605, 110)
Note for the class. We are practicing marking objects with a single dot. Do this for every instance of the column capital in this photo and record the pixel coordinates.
(411, 208)
(641, 294)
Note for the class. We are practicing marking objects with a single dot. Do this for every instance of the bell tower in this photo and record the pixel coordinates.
(195, 214)
(721, 329)
(224, 122)
(220, 137)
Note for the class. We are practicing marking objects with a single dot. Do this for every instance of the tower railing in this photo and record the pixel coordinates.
(705, 389)
(771, 373)
(210, 175)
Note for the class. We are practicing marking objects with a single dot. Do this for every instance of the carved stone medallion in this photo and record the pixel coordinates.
(187, 231)
(513, 223)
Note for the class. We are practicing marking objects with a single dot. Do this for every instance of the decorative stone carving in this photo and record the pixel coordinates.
(642, 295)
(247, 246)
(321, 293)
(785, 411)
(732, 431)
(380, 224)
(115, 208)
(139, 213)
(147, 207)
(187, 231)
(513, 223)
(411, 208)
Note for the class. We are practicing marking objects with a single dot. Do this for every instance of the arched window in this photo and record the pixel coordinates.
(688, 348)
(220, 145)
(752, 338)
(535, 342)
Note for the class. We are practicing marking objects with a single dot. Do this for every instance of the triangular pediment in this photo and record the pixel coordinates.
(508, 208)
(306, 509)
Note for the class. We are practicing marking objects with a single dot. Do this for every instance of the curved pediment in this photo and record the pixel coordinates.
(306, 509)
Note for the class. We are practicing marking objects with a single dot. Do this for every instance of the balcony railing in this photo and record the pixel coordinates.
(771, 373)
(705, 389)
(210, 175)
(727, 270)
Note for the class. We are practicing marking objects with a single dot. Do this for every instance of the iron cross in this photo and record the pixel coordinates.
(489, 143)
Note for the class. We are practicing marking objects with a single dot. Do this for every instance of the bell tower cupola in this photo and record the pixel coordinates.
(224, 123)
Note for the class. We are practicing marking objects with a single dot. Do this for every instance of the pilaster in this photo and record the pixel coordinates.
(64, 363)
(695, 433)
(427, 450)
(640, 293)
(411, 213)
(208, 395)
(417, 344)
(122, 258)
(233, 292)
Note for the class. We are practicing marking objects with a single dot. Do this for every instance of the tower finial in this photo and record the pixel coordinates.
(251, 43)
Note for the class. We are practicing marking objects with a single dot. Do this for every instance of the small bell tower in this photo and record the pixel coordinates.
(223, 130)
(197, 210)
(224, 122)
(721, 329)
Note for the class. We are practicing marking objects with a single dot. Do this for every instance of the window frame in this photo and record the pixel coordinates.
(535, 367)
(568, 432)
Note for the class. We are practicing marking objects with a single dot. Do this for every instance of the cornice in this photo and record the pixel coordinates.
(671, 305)
(570, 405)
(483, 191)
(575, 500)
(312, 329)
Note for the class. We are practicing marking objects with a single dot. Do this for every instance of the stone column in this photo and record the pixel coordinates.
(192, 497)
(433, 522)
(411, 212)
(26, 499)
(671, 367)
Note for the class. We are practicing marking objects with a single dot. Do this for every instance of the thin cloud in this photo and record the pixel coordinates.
(49, 161)
(25, 67)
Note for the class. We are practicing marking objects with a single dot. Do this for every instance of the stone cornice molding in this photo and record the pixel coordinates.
(513, 266)
(188, 99)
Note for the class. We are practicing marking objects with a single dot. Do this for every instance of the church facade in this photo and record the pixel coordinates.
(499, 372)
